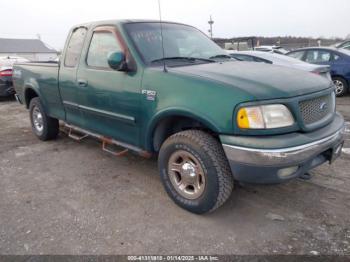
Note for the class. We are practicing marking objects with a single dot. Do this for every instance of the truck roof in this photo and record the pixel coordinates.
(122, 21)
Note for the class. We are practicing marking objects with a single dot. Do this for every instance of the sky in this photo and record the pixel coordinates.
(52, 19)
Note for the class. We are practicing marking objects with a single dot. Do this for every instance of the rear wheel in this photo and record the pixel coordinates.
(194, 171)
(341, 86)
(43, 126)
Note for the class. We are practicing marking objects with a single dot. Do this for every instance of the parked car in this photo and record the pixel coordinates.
(6, 64)
(6, 88)
(209, 120)
(272, 48)
(11, 60)
(337, 59)
(345, 45)
(281, 60)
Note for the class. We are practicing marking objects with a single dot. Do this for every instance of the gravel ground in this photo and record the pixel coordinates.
(66, 197)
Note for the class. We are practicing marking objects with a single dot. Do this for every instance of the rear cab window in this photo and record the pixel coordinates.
(75, 46)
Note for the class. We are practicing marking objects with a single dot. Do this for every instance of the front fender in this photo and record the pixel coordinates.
(175, 112)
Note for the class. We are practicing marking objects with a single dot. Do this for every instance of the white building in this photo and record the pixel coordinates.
(32, 49)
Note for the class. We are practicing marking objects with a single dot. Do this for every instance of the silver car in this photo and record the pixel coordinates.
(281, 60)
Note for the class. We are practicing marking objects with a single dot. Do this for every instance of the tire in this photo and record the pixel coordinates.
(195, 155)
(341, 86)
(43, 126)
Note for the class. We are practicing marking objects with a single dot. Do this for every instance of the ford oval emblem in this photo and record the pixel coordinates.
(323, 106)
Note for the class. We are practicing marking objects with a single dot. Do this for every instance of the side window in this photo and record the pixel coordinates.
(298, 55)
(336, 57)
(318, 56)
(101, 46)
(75, 46)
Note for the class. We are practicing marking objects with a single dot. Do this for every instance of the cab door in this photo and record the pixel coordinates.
(109, 99)
(68, 86)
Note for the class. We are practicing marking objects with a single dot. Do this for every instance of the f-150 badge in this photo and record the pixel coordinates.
(150, 94)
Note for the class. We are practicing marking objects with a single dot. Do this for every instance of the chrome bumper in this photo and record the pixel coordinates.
(283, 156)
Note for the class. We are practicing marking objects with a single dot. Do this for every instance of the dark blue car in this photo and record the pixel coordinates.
(337, 59)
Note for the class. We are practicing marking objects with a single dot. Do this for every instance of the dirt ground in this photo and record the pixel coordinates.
(66, 197)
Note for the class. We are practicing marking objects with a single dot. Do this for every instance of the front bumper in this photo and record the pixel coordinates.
(270, 163)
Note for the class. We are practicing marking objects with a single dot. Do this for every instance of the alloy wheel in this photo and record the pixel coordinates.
(339, 87)
(37, 120)
(186, 174)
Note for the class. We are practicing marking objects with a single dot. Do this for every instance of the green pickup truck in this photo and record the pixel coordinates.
(166, 89)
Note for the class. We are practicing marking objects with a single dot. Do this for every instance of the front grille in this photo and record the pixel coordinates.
(316, 109)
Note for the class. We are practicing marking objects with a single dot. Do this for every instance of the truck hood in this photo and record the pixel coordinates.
(260, 80)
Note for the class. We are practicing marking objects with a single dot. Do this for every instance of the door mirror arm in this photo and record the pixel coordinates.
(123, 67)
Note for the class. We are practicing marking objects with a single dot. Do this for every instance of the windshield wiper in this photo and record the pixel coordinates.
(220, 56)
(191, 59)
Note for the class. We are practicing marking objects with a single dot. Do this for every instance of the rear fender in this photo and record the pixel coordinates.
(32, 84)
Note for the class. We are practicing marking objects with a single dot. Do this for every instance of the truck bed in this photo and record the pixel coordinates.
(42, 79)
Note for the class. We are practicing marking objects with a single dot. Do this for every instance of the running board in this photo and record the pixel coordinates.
(105, 141)
(114, 153)
(75, 136)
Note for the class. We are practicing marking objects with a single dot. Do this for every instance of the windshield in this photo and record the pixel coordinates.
(180, 41)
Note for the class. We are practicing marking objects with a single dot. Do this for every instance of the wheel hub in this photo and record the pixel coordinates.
(189, 172)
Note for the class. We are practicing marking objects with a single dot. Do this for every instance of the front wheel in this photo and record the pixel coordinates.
(194, 171)
(340, 86)
(43, 126)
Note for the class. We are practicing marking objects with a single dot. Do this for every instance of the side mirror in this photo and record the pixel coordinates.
(117, 61)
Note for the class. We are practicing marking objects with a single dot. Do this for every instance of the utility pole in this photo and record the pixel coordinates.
(211, 22)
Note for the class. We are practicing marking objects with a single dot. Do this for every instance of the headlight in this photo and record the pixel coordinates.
(264, 117)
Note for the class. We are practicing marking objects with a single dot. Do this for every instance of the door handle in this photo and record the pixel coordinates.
(82, 82)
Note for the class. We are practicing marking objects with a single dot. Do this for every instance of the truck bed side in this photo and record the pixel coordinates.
(39, 79)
